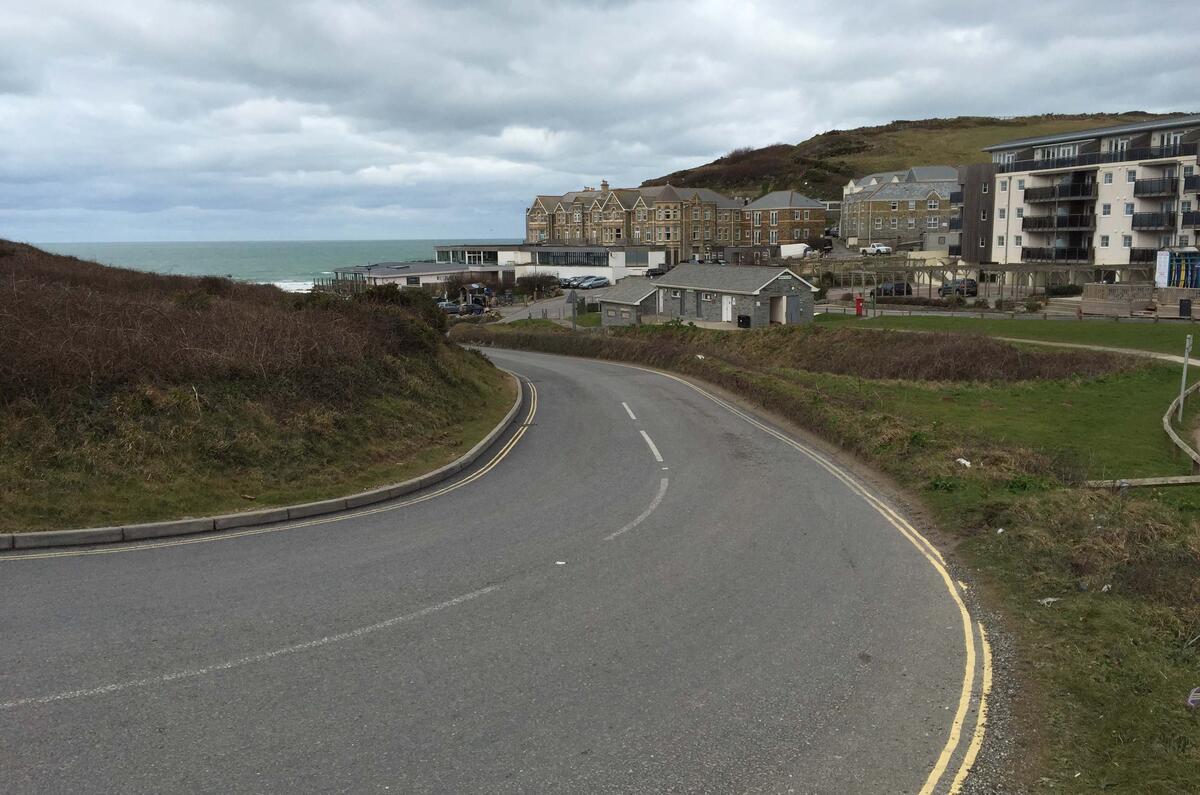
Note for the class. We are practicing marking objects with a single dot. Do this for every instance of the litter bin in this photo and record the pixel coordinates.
(1185, 307)
(743, 321)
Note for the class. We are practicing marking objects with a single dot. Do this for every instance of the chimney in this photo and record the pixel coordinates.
(604, 185)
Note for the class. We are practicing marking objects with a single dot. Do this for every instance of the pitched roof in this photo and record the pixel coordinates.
(742, 279)
(631, 290)
(1098, 132)
(931, 174)
(784, 198)
(897, 191)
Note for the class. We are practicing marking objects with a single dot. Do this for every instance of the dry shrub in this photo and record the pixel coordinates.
(74, 329)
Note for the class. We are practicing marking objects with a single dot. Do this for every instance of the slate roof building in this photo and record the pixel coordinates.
(740, 296)
(628, 303)
(900, 207)
(687, 222)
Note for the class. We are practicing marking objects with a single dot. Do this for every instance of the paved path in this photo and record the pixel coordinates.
(573, 615)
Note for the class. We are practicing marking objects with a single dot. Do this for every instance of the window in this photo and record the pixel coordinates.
(932, 222)
(806, 234)
(1127, 241)
(1107, 177)
(895, 206)
(637, 233)
(1185, 206)
(912, 204)
(1106, 209)
(985, 187)
(578, 216)
(757, 236)
(1020, 212)
(774, 218)
(707, 214)
(1017, 240)
(982, 242)
(795, 234)
(695, 213)
(912, 223)
(1000, 214)
(933, 204)
(1183, 240)
(983, 215)
(1131, 175)
(412, 281)
(999, 240)
(1003, 186)
(706, 296)
(674, 293)
(895, 223)
(807, 215)
(695, 234)
(774, 236)
(1103, 241)
(941, 239)
(757, 218)
(879, 223)
(611, 312)
(708, 234)
(1020, 184)
(1129, 208)
(795, 215)
(1189, 171)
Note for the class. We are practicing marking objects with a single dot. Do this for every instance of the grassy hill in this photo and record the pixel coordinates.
(128, 396)
(820, 166)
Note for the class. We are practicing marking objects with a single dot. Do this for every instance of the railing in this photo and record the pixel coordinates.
(1191, 220)
(1191, 183)
(956, 250)
(1154, 220)
(1143, 256)
(1053, 254)
(1035, 223)
(1069, 191)
(1097, 158)
(956, 223)
(1156, 187)
(956, 197)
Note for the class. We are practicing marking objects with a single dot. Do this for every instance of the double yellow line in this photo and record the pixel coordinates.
(931, 553)
(338, 517)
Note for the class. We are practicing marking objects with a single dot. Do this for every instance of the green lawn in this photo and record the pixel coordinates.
(588, 320)
(1156, 337)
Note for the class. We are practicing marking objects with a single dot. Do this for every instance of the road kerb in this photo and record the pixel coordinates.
(109, 535)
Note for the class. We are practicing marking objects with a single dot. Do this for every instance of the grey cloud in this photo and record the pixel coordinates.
(252, 119)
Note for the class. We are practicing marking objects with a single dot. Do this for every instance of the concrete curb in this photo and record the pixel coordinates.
(141, 532)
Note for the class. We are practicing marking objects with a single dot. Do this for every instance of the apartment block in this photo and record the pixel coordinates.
(910, 207)
(1102, 200)
(973, 214)
(686, 222)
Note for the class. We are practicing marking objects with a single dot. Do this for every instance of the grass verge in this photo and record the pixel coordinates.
(129, 396)
(1155, 337)
(1105, 669)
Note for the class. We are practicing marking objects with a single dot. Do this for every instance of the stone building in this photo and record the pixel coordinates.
(744, 297)
(899, 207)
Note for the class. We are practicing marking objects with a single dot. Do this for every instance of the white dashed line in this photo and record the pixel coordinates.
(662, 490)
(657, 455)
(629, 411)
(256, 658)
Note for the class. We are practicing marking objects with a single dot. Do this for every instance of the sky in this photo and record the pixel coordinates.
(140, 120)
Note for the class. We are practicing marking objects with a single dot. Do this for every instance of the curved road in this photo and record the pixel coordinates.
(574, 615)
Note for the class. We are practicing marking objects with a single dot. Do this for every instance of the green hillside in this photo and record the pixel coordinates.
(820, 166)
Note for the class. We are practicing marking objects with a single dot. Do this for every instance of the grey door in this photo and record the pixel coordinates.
(792, 311)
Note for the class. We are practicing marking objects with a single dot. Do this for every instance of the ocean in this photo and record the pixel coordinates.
(290, 264)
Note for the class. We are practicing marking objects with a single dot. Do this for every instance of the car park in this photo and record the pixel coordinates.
(963, 287)
(892, 289)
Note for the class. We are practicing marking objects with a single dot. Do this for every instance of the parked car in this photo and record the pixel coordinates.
(962, 287)
(893, 289)
(874, 250)
(470, 309)
(574, 281)
(448, 306)
(654, 273)
(593, 282)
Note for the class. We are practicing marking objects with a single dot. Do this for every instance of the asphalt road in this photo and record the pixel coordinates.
(574, 617)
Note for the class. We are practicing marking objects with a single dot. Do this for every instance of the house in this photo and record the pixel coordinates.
(783, 216)
(628, 303)
(748, 296)
(899, 207)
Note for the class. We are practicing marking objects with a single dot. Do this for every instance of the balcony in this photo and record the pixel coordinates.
(1191, 220)
(1156, 187)
(1067, 256)
(1143, 256)
(1098, 158)
(956, 197)
(1051, 223)
(1192, 184)
(1071, 191)
(1149, 222)
(955, 223)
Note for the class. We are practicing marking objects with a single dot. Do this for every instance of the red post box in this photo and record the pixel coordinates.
(858, 305)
